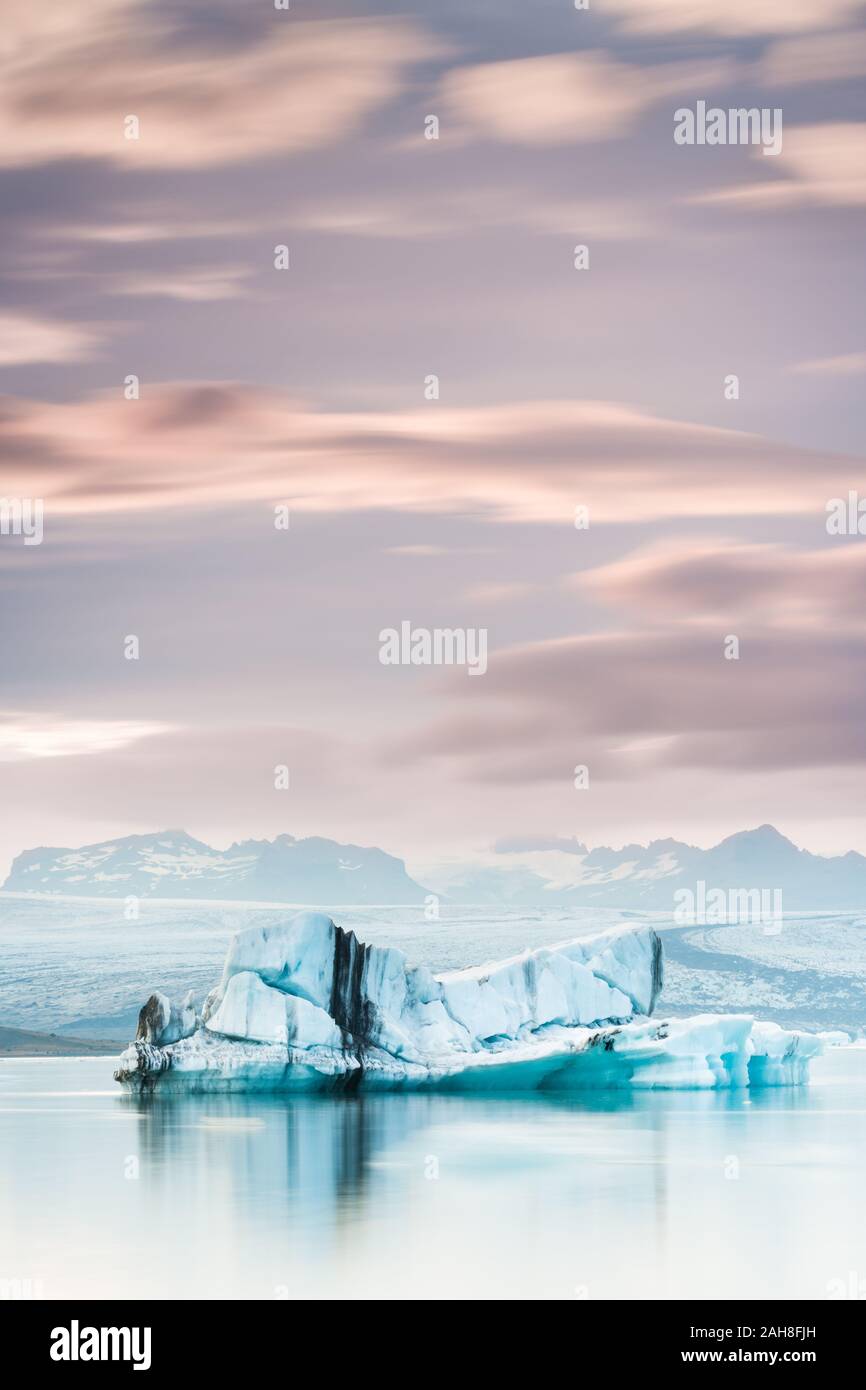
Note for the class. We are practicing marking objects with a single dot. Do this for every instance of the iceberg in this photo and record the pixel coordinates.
(307, 1006)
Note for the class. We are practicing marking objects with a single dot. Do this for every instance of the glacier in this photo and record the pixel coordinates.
(305, 1005)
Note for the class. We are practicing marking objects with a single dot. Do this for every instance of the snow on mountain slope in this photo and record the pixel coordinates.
(172, 864)
(648, 877)
(320, 872)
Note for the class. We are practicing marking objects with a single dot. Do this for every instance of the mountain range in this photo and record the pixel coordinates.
(559, 873)
(566, 872)
(171, 864)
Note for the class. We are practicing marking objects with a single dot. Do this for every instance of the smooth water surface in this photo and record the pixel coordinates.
(619, 1195)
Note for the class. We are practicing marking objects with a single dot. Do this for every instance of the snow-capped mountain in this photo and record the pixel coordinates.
(566, 873)
(172, 864)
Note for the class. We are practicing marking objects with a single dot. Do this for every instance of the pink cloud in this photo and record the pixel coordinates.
(565, 98)
(220, 445)
(824, 164)
(706, 582)
(27, 337)
(69, 80)
(632, 705)
(733, 17)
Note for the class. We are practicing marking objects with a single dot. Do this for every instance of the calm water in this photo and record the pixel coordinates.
(646, 1196)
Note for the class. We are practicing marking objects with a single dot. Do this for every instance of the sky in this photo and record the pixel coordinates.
(601, 393)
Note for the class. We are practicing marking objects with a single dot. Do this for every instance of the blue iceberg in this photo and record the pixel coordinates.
(307, 1006)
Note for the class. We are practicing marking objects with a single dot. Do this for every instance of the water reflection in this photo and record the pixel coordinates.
(324, 1152)
(606, 1194)
(328, 1162)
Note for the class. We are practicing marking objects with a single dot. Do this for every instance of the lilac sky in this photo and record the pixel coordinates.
(558, 388)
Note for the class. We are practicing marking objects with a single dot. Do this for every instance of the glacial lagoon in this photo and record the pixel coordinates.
(606, 1195)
